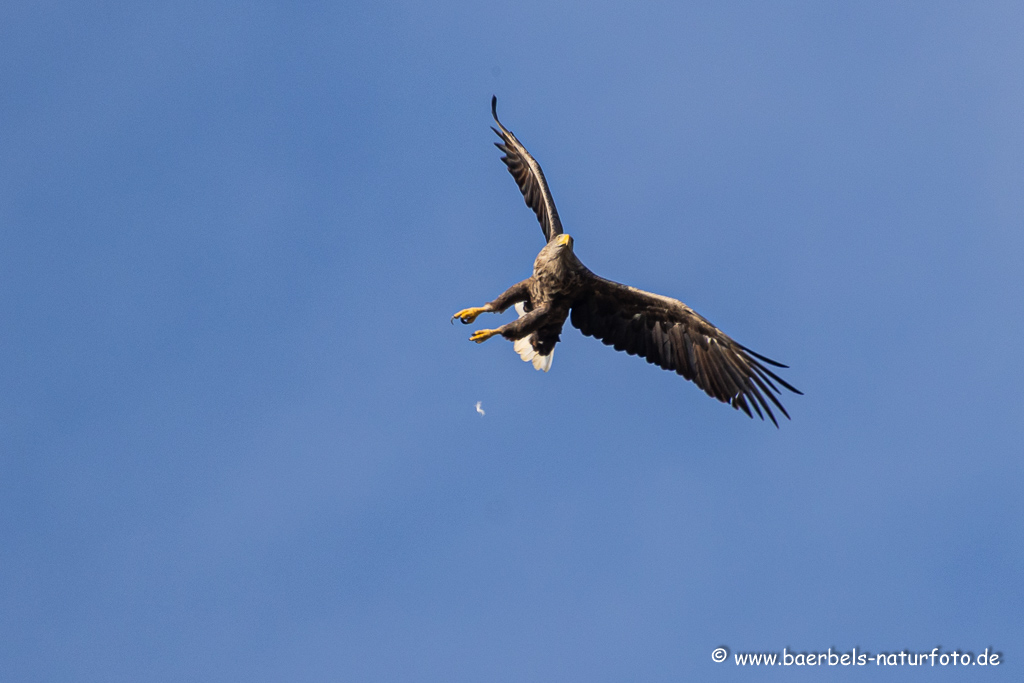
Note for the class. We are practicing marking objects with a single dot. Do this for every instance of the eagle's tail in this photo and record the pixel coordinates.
(526, 351)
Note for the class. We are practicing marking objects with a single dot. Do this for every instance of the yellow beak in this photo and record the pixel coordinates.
(564, 239)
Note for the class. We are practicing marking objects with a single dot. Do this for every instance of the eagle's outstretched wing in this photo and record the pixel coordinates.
(669, 333)
(530, 179)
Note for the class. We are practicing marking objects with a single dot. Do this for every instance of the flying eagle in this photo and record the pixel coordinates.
(662, 330)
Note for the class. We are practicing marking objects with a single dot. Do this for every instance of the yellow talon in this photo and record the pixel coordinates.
(481, 336)
(468, 315)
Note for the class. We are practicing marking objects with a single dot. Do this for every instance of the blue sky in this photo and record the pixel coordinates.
(237, 433)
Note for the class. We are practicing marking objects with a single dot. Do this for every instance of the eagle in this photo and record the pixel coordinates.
(664, 331)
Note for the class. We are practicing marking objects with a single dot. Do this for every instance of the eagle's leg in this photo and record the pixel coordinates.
(514, 294)
(480, 336)
(517, 329)
(468, 315)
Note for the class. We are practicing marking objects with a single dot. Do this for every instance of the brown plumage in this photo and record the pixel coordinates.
(664, 331)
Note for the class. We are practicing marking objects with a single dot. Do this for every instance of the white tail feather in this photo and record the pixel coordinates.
(526, 351)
